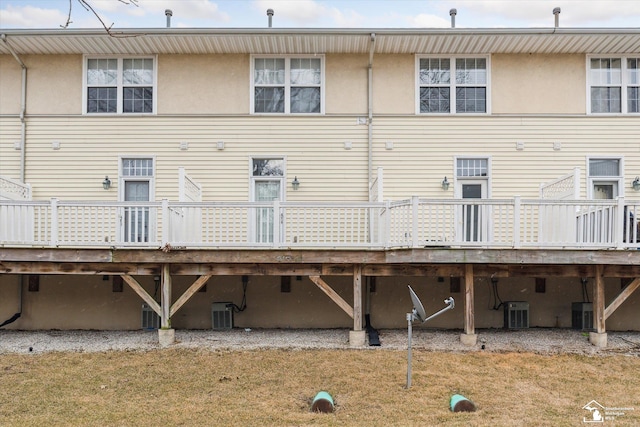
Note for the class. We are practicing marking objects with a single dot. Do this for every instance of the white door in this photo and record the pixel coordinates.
(267, 177)
(473, 220)
(136, 218)
(265, 191)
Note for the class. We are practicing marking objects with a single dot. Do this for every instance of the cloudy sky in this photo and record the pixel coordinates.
(321, 13)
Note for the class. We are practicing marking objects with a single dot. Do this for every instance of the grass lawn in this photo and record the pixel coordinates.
(174, 387)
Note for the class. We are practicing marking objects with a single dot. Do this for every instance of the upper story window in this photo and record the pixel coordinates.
(614, 85)
(119, 85)
(289, 85)
(453, 85)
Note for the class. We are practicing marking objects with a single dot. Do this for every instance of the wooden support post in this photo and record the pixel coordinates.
(357, 336)
(599, 337)
(469, 336)
(598, 301)
(165, 321)
(357, 297)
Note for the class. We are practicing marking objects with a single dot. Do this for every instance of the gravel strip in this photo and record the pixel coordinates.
(534, 340)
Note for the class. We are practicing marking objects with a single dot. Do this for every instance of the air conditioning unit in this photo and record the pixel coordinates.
(222, 315)
(150, 319)
(582, 315)
(516, 315)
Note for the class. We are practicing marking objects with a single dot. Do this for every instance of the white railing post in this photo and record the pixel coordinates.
(380, 186)
(54, 222)
(386, 228)
(619, 227)
(277, 218)
(414, 222)
(166, 222)
(516, 222)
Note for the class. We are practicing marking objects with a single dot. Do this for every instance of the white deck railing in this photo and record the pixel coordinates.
(412, 223)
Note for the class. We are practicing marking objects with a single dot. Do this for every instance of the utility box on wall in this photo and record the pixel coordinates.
(516, 315)
(582, 315)
(222, 315)
(150, 319)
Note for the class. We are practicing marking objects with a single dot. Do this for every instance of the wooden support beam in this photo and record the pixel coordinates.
(357, 297)
(186, 296)
(138, 289)
(626, 292)
(165, 317)
(469, 316)
(598, 301)
(332, 294)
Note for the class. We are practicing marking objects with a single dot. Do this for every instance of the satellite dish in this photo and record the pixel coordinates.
(418, 313)
(418, 309)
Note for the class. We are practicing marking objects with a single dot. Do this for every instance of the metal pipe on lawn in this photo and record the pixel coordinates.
(370, 114)
(23, 108)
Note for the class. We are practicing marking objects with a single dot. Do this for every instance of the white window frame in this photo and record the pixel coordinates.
(459, 180)
(287, 84)
(624, 84)
(452, 85)
(618, 180)
(119, 83)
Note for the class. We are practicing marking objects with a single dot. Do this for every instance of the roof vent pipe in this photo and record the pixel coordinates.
(169, 14)
(556, 12)
(453, 13)
(270, 15)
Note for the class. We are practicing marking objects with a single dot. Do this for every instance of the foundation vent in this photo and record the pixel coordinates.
(222, 315)
(150, 319)
(516, 315)
(582, 315)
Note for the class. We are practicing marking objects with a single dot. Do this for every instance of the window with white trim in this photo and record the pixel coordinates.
(119, 85)
(453, 85)
(614, 85)
(472, 167)
(288, 85)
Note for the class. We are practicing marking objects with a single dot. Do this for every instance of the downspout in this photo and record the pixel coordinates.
(370, 113)
(23, 108)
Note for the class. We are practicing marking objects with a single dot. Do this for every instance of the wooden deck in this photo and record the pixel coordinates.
(447, 262)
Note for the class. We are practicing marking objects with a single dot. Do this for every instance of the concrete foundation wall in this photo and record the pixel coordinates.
(88, 302)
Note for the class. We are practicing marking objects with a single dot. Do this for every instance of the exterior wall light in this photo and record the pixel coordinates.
(445, 184)
(106, 184)
(295, 183)
(636, 184)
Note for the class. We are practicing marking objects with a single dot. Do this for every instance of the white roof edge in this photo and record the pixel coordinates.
(316, 31)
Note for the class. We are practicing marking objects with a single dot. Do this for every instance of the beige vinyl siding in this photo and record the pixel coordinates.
(424, 151)
(90, 148)
(9, 156)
